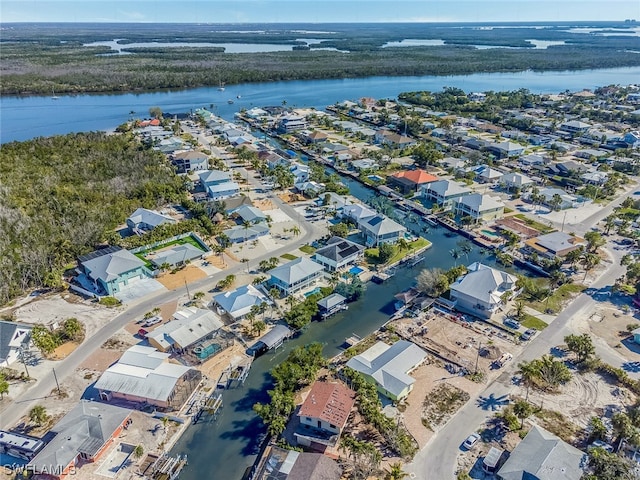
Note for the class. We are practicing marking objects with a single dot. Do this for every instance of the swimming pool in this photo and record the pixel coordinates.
(312, 292)
(490, 233)
(356, 270)
(375, 178)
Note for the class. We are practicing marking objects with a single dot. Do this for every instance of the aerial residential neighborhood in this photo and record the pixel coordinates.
(382, 285)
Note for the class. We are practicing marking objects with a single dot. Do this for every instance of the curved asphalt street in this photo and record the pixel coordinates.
(437, 460)
(44, 387)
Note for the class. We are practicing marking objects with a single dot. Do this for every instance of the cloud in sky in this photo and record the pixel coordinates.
(315, 11)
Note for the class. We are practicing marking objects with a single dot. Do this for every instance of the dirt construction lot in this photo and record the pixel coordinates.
(189, 274)
(609, 324)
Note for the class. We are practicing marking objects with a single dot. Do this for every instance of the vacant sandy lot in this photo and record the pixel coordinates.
(189, 274)
(57, 308)
(610, 325)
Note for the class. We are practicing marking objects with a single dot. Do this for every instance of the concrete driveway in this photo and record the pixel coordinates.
(139, 289)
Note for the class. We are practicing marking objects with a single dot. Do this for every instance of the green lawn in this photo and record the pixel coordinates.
(288, 256)
(530, 321)
(534, 224)
(371, 254)
(308, 249)
(559, 298)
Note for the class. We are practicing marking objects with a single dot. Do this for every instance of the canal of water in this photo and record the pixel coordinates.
(224, 448)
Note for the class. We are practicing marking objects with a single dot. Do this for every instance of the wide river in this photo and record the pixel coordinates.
(224, 448)
(27, 117)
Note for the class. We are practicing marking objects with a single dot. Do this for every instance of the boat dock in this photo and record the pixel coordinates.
(353, 340)
(166, 467)
(234, 375)
(210, 406)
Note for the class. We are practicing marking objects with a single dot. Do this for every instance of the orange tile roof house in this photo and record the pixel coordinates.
(410, 180)
(324, 414)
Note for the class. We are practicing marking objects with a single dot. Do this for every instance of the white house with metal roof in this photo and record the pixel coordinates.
(250, 214)
(237, 303)
(357, 212)
(145, 219)
(444, 192)
(388, 367)
(381, 229)
(295, 275)
(144, 375)
(479, 207)
(218, 184)
(516, 180)
(112, 269)
(481, 290)
(187, 327)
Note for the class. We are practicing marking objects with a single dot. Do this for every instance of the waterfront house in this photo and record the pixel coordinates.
(239, 233)
(532, 159)
(315, 137)
(187, 327)
(145, 376)
(381, 229)
(295, 275)
(554, 244)
(515, 180)
(338, 253)
(357, 213)
(482, 289)
(218, 184)
(282, 464)
(364, 164)
(543, 456)
(479, 207)
(237, 303)
(291, 122)
(111, 269)
(331, 304)
(444, 192)
(409, 181)
(300, 172)
(82, 435)
(190, 161)
(389, 366)
(14, 338)
(323, 415)
(309, 189)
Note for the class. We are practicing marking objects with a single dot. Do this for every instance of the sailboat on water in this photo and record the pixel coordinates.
(53, 94)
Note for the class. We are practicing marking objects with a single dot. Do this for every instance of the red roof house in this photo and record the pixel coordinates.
(410, 180)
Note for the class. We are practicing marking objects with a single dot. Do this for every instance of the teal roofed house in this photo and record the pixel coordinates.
(111, 269)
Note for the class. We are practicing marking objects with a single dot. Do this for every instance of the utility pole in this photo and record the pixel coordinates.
(56, 378)
(478, 356)
(187, 287)
(24, 361)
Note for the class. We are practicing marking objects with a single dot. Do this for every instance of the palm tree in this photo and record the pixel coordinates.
(455, 254)
(403, 244)
(290, 301)
(395, 472)
(295, 230)
(38, 415)
(138, 451)
(522, 409)
(528, 371)
(274, 293)
(589, 260)
(259, 327)
(465, 247)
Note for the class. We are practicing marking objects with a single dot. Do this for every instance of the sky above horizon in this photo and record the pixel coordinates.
(316, 11)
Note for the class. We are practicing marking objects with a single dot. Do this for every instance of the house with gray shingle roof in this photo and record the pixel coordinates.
(82, 435)
(338, 253)
(295, 275)
(543, 456)
(111, 269)
(239, 233)
(14, 336)
(479, 207)
(444, 192)
(388, 367)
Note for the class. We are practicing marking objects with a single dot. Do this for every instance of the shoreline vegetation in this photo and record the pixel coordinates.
(38, 59)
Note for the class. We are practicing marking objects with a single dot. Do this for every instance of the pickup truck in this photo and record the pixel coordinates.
(149, 322)
(499, 363)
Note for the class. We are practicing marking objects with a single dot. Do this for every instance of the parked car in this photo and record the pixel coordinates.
(499, 363)
(510, 322)
(471, 441)
(152, 321)
(143, 333)
(528, 334)
(601, 444)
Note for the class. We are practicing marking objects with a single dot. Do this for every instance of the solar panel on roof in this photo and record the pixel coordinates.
(98, 253)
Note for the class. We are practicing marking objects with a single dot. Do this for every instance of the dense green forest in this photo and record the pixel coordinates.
(37, 59)
(63, 195)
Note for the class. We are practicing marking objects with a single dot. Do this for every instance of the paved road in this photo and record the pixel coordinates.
(437, 460)
(45, 385)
